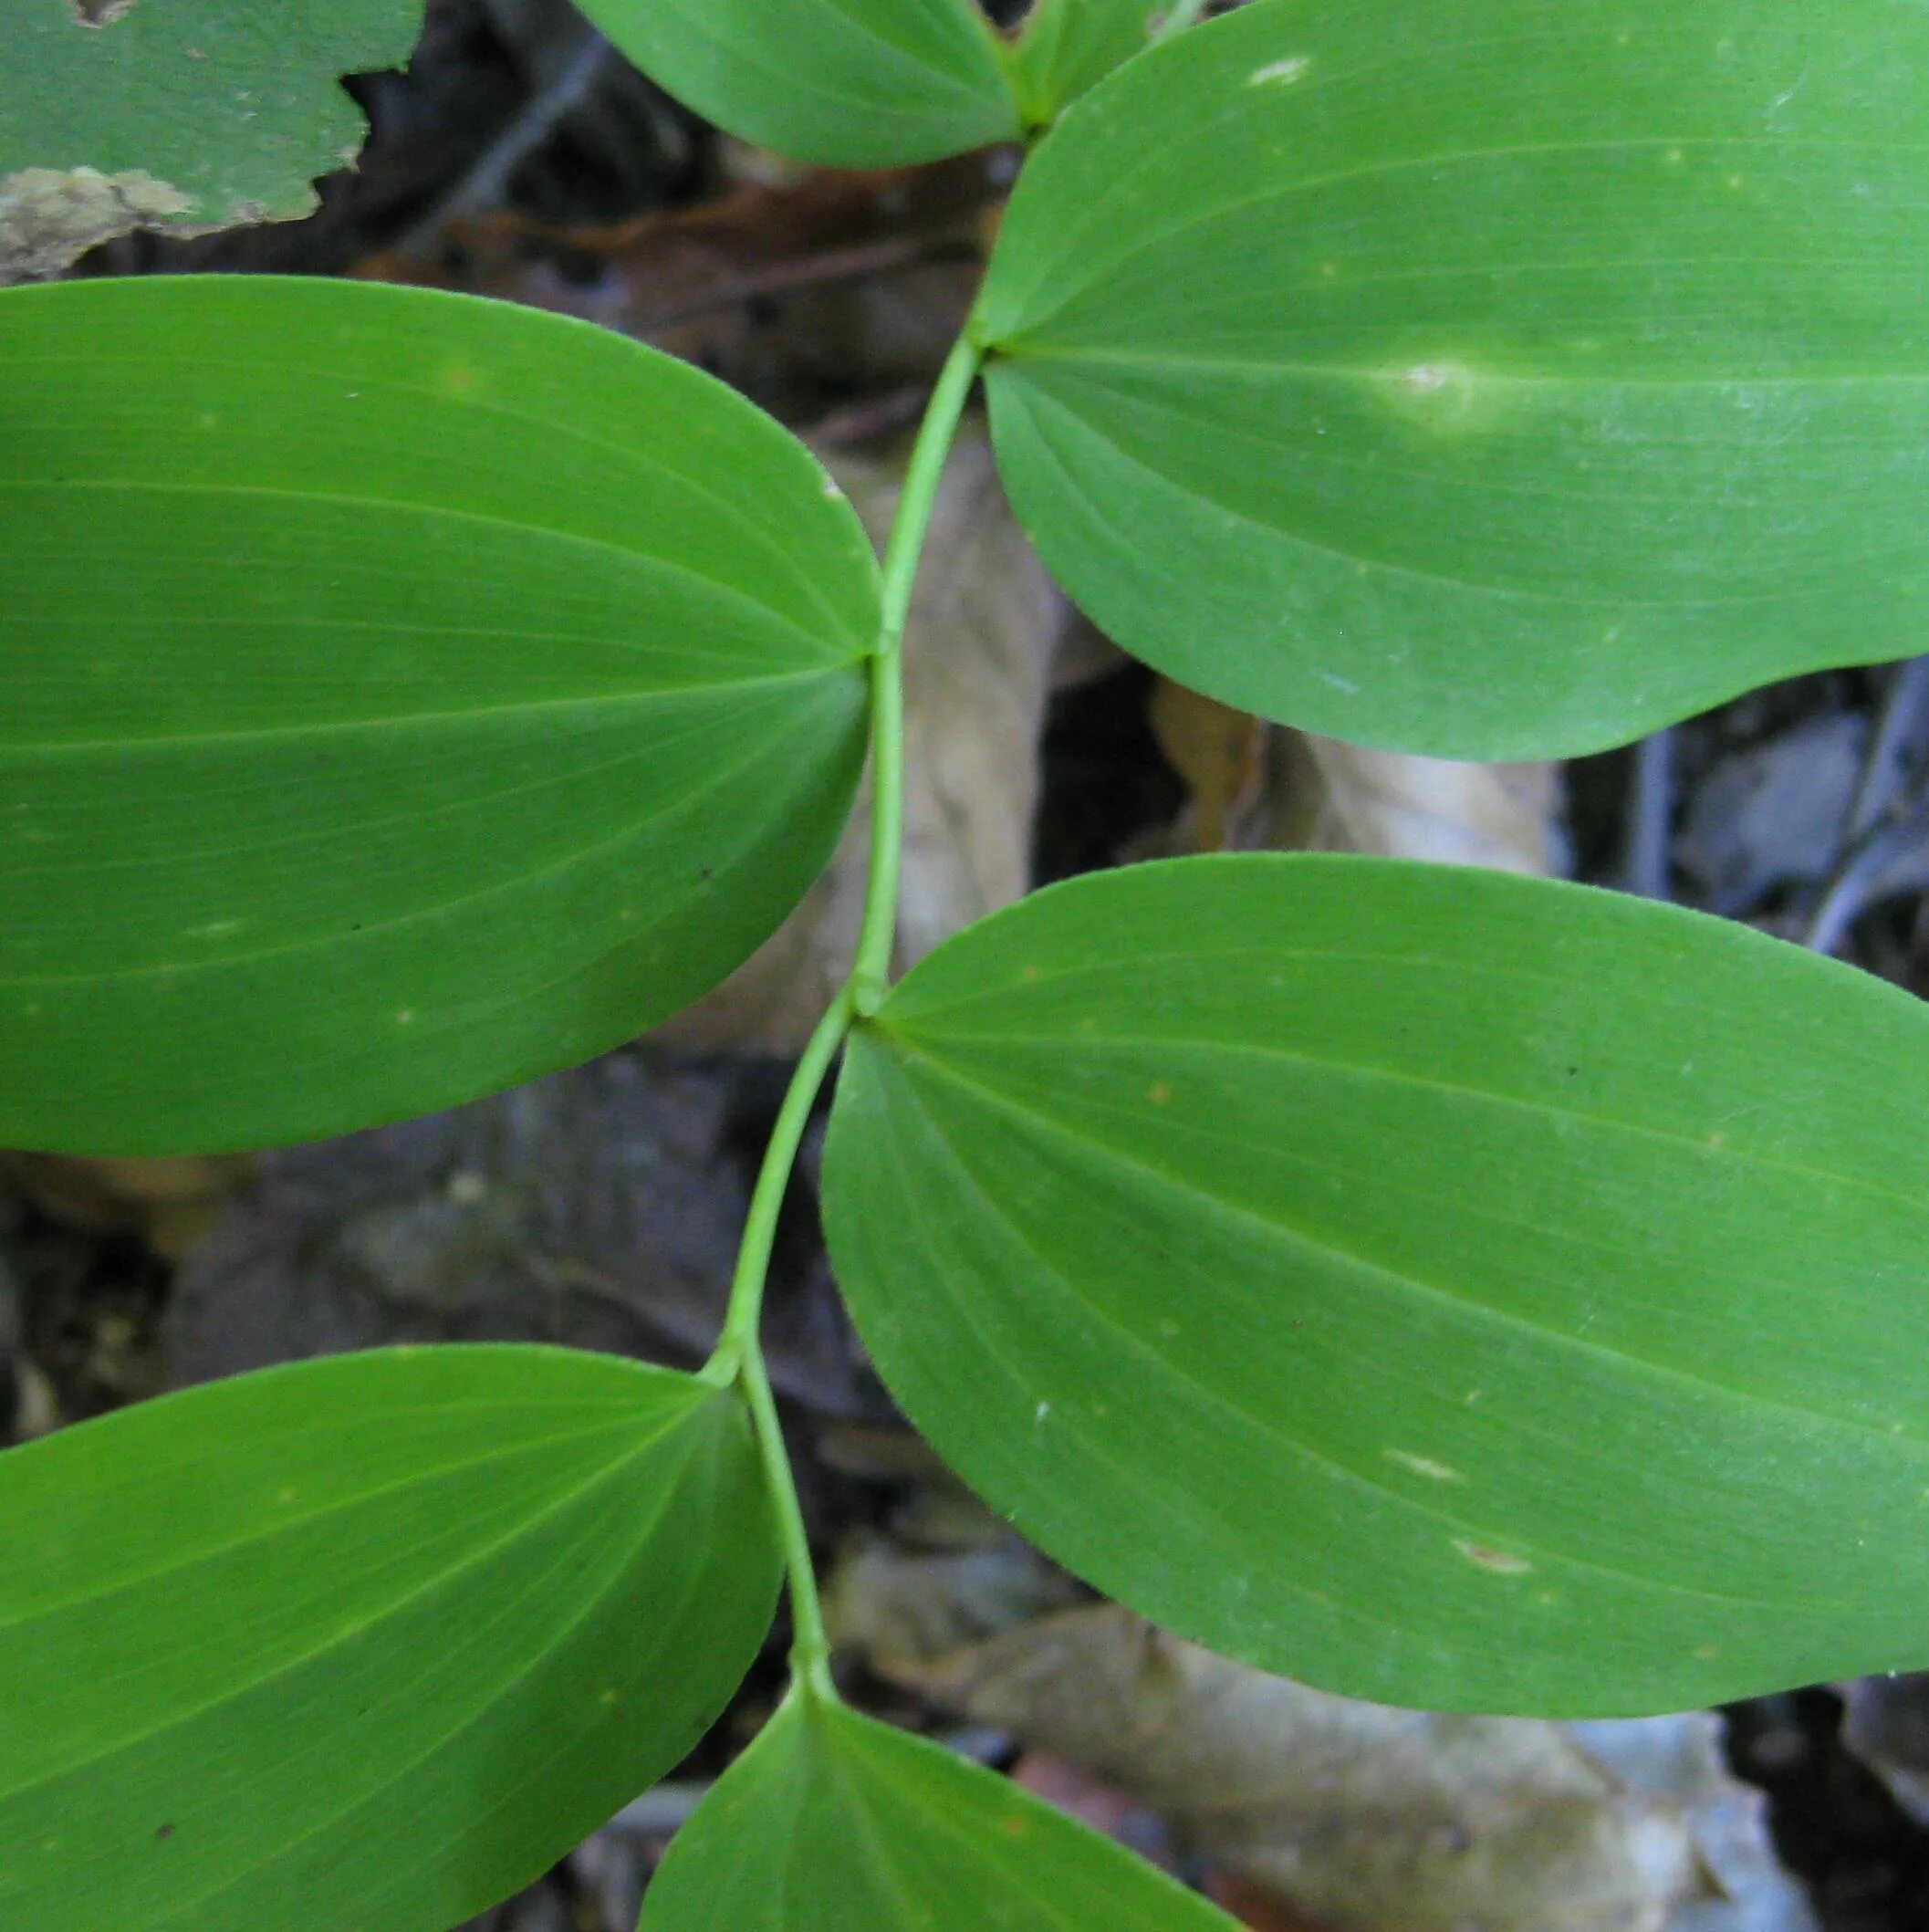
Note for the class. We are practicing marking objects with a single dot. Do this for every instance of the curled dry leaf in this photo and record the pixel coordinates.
(1326, 796)
(1358, 1817)
(978, 653)
(1262, 788)
(170, 1201)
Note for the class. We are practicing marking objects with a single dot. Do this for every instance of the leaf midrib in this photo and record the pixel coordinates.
(1326, 1251)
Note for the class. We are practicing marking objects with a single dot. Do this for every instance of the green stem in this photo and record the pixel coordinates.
(1179, 15)
(739, 1357)
(766, 1199)
(871, 970)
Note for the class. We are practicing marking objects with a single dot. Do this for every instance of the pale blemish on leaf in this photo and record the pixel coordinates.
(50, 217)
(1424, 1466)
(1443, 394)
(1281, 73)
(1501, 1562)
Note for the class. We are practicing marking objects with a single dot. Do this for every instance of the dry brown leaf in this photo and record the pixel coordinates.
(170, 1203)
(1259, 787)
(787, 288)
(978, 654)
(1367, 1819)
(1219, 751)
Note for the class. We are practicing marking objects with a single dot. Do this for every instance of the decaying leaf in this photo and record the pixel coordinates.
(1220, 752)
(983, 629)
(1326, 796)
(1356, 1817)
(786, 286)
(1368, 1819)
(1263, 787)
(170, 1203)
(51, 216)
(599, 1207)
(901, 1611)
(188, 116)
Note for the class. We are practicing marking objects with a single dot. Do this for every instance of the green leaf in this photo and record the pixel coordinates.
(406, 695)
(853, 83)
(1502, 388)
(366, 1643)
(1448, 1288)
(175, 114)
(1068, 46)
(833, 1823)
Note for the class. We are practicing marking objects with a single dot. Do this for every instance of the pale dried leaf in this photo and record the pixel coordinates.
(1325, 796)
(1256, 787)
(978, 655)
(1368, 1819)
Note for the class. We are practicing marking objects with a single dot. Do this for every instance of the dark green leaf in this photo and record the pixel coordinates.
(1503, 384)
(1069, 46)
(1447, 1289)
(854, 83)
(405, 696)
(366, 1643)
(182, 114)
(833, 1823)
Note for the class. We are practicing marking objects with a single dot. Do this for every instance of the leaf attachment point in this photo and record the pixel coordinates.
(833, 1823)
(1319, 1256)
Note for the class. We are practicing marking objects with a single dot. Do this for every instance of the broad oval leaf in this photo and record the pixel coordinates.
(191, 115)
(404, 695)
(851, 83)
(1503, 386)
(366, 1642)
(1068, 46)
(1454, 1289)
(834, 1822)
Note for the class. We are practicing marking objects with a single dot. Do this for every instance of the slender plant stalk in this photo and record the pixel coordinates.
(871, 968)
(739, 1357)
(1179, 15)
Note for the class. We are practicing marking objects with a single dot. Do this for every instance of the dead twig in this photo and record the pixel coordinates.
(1889, 813)
(1651, 815)
(485, 181)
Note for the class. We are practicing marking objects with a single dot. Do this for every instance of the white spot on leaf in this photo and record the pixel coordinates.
(1502, 1562)
(1281, 73)
(1425, 1465)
